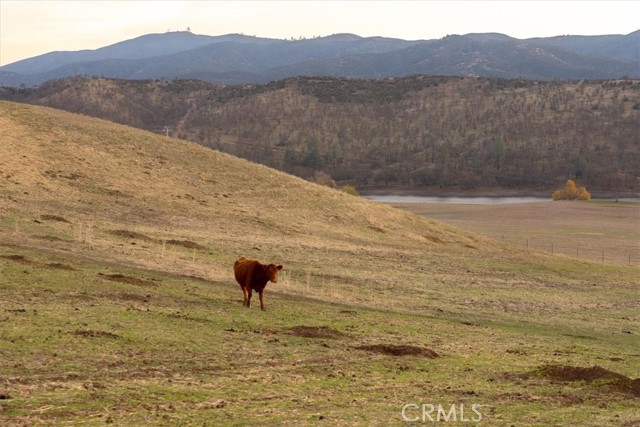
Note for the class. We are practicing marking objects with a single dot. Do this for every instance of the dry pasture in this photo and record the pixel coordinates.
(601, 231)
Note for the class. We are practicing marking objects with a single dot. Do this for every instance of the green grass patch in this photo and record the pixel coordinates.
(89, 351)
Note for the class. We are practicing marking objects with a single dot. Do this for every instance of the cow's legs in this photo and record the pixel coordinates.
(261, 301)
(245, 301)
(248, 298)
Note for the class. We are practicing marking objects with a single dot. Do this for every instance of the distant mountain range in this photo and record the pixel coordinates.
(239, 59)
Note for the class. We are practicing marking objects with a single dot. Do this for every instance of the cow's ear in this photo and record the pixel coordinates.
(279, 267)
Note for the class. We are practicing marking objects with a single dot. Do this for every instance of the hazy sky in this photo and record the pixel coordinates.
(30, 28)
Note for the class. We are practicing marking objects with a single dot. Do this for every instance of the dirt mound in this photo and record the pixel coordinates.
(400, 350)
(316, 332)
(597, 374)
(577, 373)
(127, 279)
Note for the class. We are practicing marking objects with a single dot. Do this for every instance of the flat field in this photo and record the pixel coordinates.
(598, 230)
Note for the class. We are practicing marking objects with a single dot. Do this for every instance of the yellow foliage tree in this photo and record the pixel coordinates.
(571, 192)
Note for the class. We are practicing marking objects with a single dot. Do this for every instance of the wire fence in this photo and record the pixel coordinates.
(625, 255)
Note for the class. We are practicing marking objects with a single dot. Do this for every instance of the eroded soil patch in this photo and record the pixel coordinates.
(316, 332)
(400, 350)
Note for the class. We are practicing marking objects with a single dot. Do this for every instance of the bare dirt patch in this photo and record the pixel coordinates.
(316, 332)
(576, 373)
(595, 374)
(127, 279)
(400, 350)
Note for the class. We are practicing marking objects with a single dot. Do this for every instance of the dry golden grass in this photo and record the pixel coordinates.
(600, 231)
(102, 177)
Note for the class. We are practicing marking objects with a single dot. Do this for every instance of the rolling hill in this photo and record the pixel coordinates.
(90, 171)
(118, 304)
(238, 59)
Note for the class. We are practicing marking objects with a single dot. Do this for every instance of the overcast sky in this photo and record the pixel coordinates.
(30, 28)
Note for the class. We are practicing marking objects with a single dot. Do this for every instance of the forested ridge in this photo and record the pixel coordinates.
(451, 133)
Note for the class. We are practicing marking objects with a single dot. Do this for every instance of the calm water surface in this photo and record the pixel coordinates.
(472, 200)
(457, 200)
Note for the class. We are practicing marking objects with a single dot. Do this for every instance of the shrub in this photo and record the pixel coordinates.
(350, 189)
(571, 192)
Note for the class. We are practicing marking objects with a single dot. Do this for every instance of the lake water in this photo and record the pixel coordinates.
(470, 200)
(457, 200)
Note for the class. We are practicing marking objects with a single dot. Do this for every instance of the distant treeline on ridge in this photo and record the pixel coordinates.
(456, 133)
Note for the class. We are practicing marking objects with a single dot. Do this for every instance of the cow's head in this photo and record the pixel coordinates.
(272, 272)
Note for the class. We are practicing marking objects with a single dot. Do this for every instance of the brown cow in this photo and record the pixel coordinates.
(252, 275)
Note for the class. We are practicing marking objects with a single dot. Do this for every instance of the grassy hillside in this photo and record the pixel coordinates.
(118, 304)
(441, 133)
